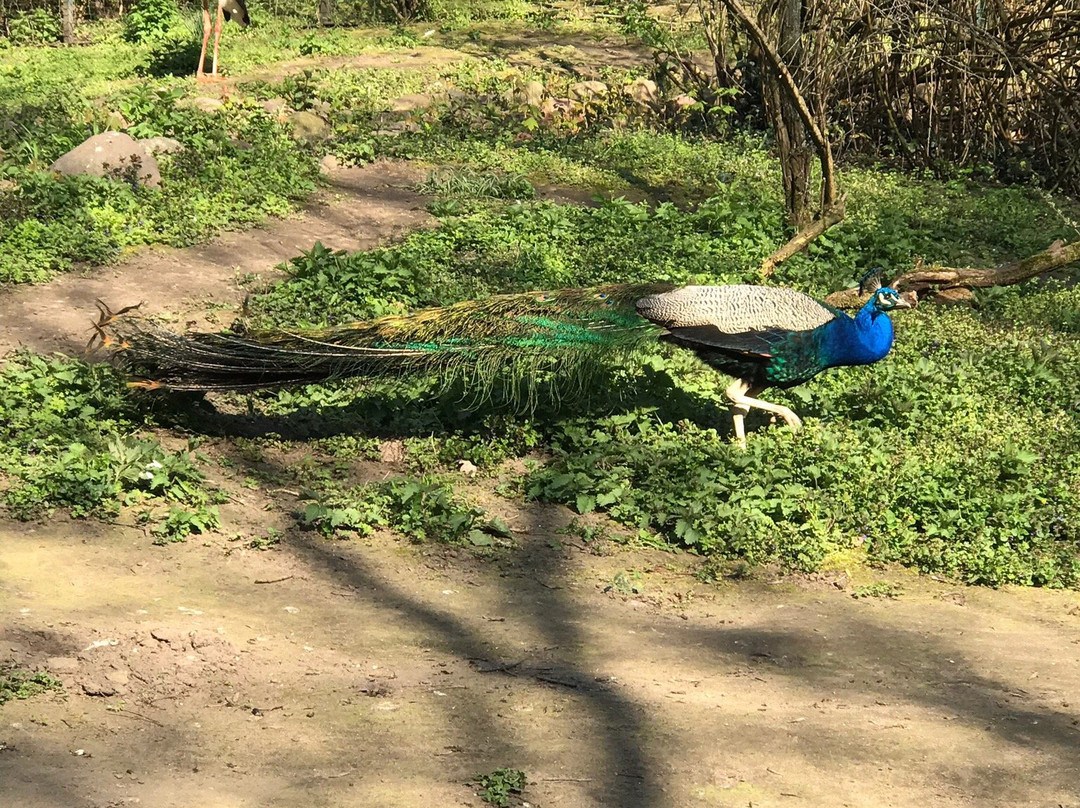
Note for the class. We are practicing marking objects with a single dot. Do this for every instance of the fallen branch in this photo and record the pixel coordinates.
(914, 284)
(824, 220)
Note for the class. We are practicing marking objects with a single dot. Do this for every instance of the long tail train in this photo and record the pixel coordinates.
(564, 331)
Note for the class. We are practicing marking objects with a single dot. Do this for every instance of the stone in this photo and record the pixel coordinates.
(308, 127)
(203, 639)
(411, 102)
(93, 687)
(162, 145)
(585, 90)
(329, 164)
(530, 94)
(275, 107)
(643, 91)
(118, 676)
(682, 101)
(206, 103)
(175, 637)
(111, 154)
(116, 121)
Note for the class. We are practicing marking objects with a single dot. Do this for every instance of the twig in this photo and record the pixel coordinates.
(134, 714)
(274, 580)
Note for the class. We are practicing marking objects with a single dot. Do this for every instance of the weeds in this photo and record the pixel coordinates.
(20, 684)
(68, 438)
(500, 786)
(881, 589)
(422, 509)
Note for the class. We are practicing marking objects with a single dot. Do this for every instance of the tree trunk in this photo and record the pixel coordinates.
(792, 137)
(67, 20)
(326, 13)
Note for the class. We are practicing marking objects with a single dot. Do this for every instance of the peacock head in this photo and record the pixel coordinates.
(883, 298)
(886, 299)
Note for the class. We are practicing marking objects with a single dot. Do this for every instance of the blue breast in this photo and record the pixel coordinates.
(859, 340)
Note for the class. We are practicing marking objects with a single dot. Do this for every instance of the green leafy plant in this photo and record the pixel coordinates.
(499, 786)
(880, 589)
(151, 20)
(20, 684)
(180, 523)
(68, 439)
(35, 27)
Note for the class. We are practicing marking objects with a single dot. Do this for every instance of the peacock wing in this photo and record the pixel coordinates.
(736, 309)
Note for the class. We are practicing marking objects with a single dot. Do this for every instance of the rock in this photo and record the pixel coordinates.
(329, 163)
(111, 154)
(584, 90)
(93, 687)
(206, 103)
(467, 467)
(275, 107)
(308, 127)
(60, 665)
(643, 92)
(116, 121)
(411, 102)
(392, 451)
(118, 676)
(203, 639)
(681, 102)
(175, 637)
(530, 94)
(161, 145)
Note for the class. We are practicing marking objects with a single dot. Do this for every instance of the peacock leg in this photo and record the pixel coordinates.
(205, 38)
(217, 36)
(742, 397)
(736, 390)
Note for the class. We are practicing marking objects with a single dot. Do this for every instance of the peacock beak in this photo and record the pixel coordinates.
(903, 302)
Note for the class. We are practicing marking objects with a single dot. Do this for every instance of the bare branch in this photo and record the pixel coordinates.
(920, 280)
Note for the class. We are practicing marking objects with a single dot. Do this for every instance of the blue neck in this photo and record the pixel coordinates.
(859, 340)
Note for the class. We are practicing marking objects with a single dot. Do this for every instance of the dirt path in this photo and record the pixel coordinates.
(360, 208)
(368, 674)
(373, 673)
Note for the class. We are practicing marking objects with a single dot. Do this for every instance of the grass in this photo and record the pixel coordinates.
(953, 456)
(956, 455)
(71, 438)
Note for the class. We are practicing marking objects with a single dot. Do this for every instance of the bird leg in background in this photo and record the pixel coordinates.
(205, 38)
(217, 37)
(742, 399)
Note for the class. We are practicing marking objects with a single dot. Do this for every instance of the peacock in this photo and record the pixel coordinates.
(761, 336)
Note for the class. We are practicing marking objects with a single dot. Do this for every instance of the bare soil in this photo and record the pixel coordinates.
(377, 673)
(358, 209)
(371, 673)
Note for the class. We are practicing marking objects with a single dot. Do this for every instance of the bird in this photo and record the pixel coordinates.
(232, 10)
(761, 336)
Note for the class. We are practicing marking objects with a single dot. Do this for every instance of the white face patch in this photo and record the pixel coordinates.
(886, 300)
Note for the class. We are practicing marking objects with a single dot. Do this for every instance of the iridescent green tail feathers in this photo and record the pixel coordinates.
(512, 337)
